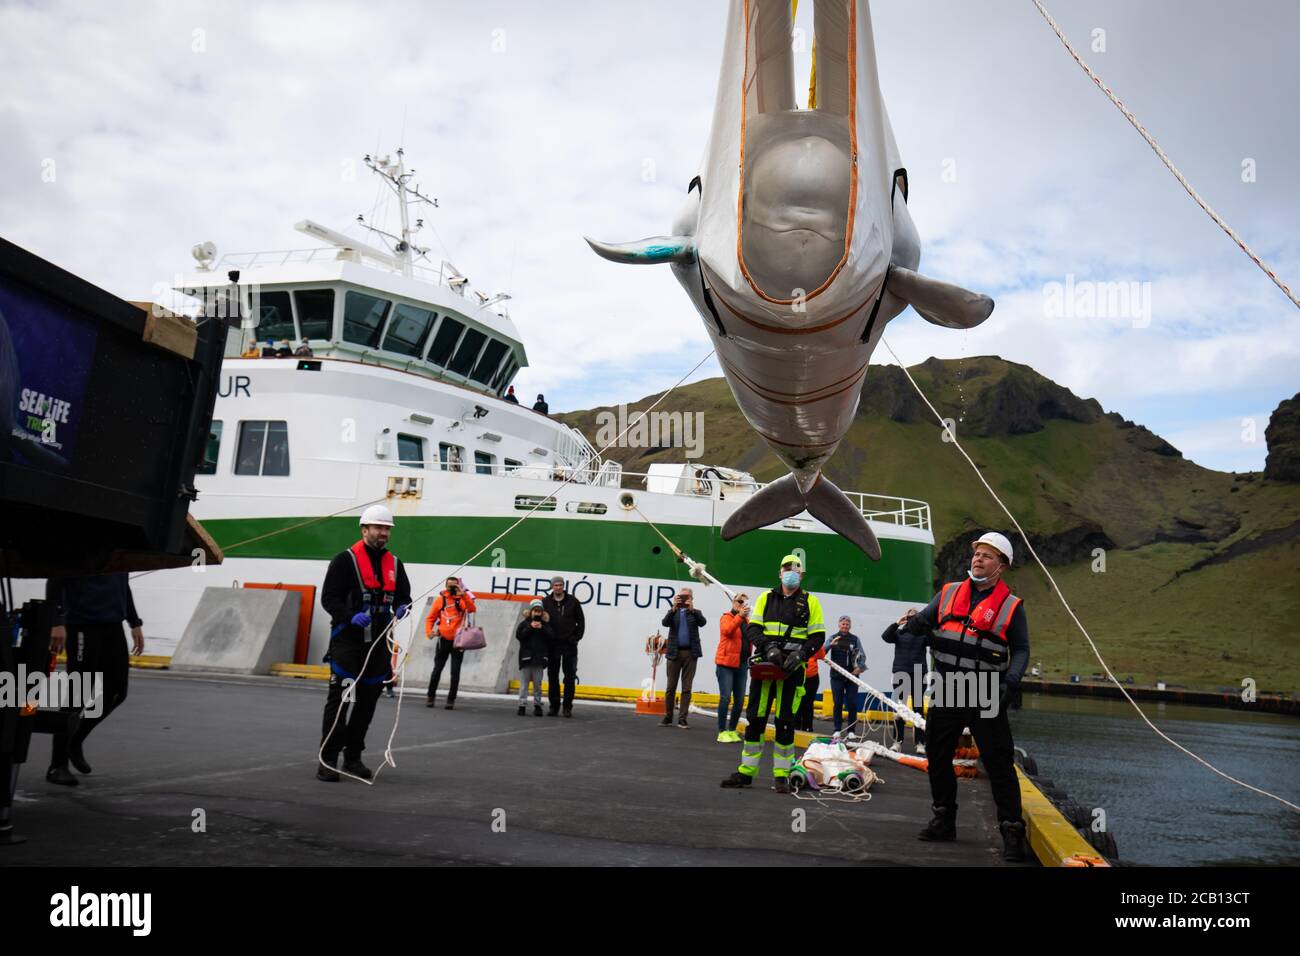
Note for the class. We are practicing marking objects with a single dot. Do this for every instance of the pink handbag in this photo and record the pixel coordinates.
(470, 637)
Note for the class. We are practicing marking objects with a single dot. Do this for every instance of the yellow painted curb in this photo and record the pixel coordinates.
(308, 671)
(1053, 838)
(153, 662)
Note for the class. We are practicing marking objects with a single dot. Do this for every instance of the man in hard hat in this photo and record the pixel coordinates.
(785, 629)
(365, 589)
(978, 626)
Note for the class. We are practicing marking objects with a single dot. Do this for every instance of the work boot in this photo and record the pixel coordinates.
(537, 710)
(522, 710)
(327, 774)
(781, 785)
(77, 756)
(738, 781)
(357, 769)
(60, 775)
(942, 828)
(1013, 840)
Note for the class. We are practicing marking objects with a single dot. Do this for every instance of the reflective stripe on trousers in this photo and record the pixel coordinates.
(750, 754)
(782, 758)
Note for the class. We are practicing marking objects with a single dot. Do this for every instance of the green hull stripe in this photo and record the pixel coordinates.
(620, 548)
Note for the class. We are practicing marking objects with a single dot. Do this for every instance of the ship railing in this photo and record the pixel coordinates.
(282, 257)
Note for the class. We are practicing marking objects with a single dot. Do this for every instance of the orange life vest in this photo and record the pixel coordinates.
(974, 638)
(377, 594)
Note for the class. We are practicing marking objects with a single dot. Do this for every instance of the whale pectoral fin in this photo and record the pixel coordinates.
(831, 507)
(776, 502)
(650, 251)
(940, 303)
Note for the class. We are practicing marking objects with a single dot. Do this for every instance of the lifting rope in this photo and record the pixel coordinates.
(1166, 160)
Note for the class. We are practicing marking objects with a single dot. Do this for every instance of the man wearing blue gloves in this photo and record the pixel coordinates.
(365, 588)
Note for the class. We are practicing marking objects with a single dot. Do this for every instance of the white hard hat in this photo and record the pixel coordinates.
(377, 514)
(997, 542)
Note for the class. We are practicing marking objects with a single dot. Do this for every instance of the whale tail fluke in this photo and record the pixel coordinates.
(824, 501)
(832, 508)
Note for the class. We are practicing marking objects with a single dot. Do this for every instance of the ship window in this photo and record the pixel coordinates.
(275, 317)
(586, 507)
(483, 463)
(510, 370)
(363, 317)
(315, 312)
(408, 330)
(410, 451)
(451, 457)
(208, 466)
(511, 464)
(263, 449)
(487, 364)
(445, 340)
(534, 503)
(499, 379)
(468, 351)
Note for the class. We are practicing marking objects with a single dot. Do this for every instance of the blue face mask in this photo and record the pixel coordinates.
(790, 578)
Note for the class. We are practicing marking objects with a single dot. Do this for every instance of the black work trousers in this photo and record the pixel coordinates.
(561, 654)
(446, 649)
(763, 701)
(95, 648)
(997, 753)
(344, 724)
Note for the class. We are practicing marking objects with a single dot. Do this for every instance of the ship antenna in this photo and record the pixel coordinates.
(398, 178)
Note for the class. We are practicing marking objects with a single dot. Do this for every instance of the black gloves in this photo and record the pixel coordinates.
(792, 661)
(1009, 696)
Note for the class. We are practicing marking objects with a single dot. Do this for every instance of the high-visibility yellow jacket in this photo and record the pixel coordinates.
(783, 618)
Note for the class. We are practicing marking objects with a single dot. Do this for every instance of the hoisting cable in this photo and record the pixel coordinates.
(1166, 160)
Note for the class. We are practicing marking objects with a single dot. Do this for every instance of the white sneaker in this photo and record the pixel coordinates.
(897, 747)
(920, 750)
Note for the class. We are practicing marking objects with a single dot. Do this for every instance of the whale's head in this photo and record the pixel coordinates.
(795, 200)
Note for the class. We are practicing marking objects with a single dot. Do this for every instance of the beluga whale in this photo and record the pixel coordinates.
(796, 247)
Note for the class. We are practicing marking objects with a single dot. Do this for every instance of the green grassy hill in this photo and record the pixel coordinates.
(1201, 584)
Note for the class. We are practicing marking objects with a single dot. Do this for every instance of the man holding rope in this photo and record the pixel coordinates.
(365, 588)
(975, 627)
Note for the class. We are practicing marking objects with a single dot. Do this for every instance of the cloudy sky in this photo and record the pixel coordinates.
(130, 131)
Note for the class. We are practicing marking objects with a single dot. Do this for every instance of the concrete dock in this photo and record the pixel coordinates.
(476, 785)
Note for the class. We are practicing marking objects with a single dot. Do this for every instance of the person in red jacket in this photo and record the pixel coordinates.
(447, 616)
(732, 660)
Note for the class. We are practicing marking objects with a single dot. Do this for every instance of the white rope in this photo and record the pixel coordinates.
(907, 713)
(1166, 160)
(1069, 610)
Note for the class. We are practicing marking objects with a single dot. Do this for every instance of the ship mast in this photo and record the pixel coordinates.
(398, 178)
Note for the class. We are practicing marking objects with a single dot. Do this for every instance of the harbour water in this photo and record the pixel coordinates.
(1162, 806)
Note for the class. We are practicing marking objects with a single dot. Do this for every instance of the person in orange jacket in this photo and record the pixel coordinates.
(804, 719)
(732, 661)
(447, 615)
